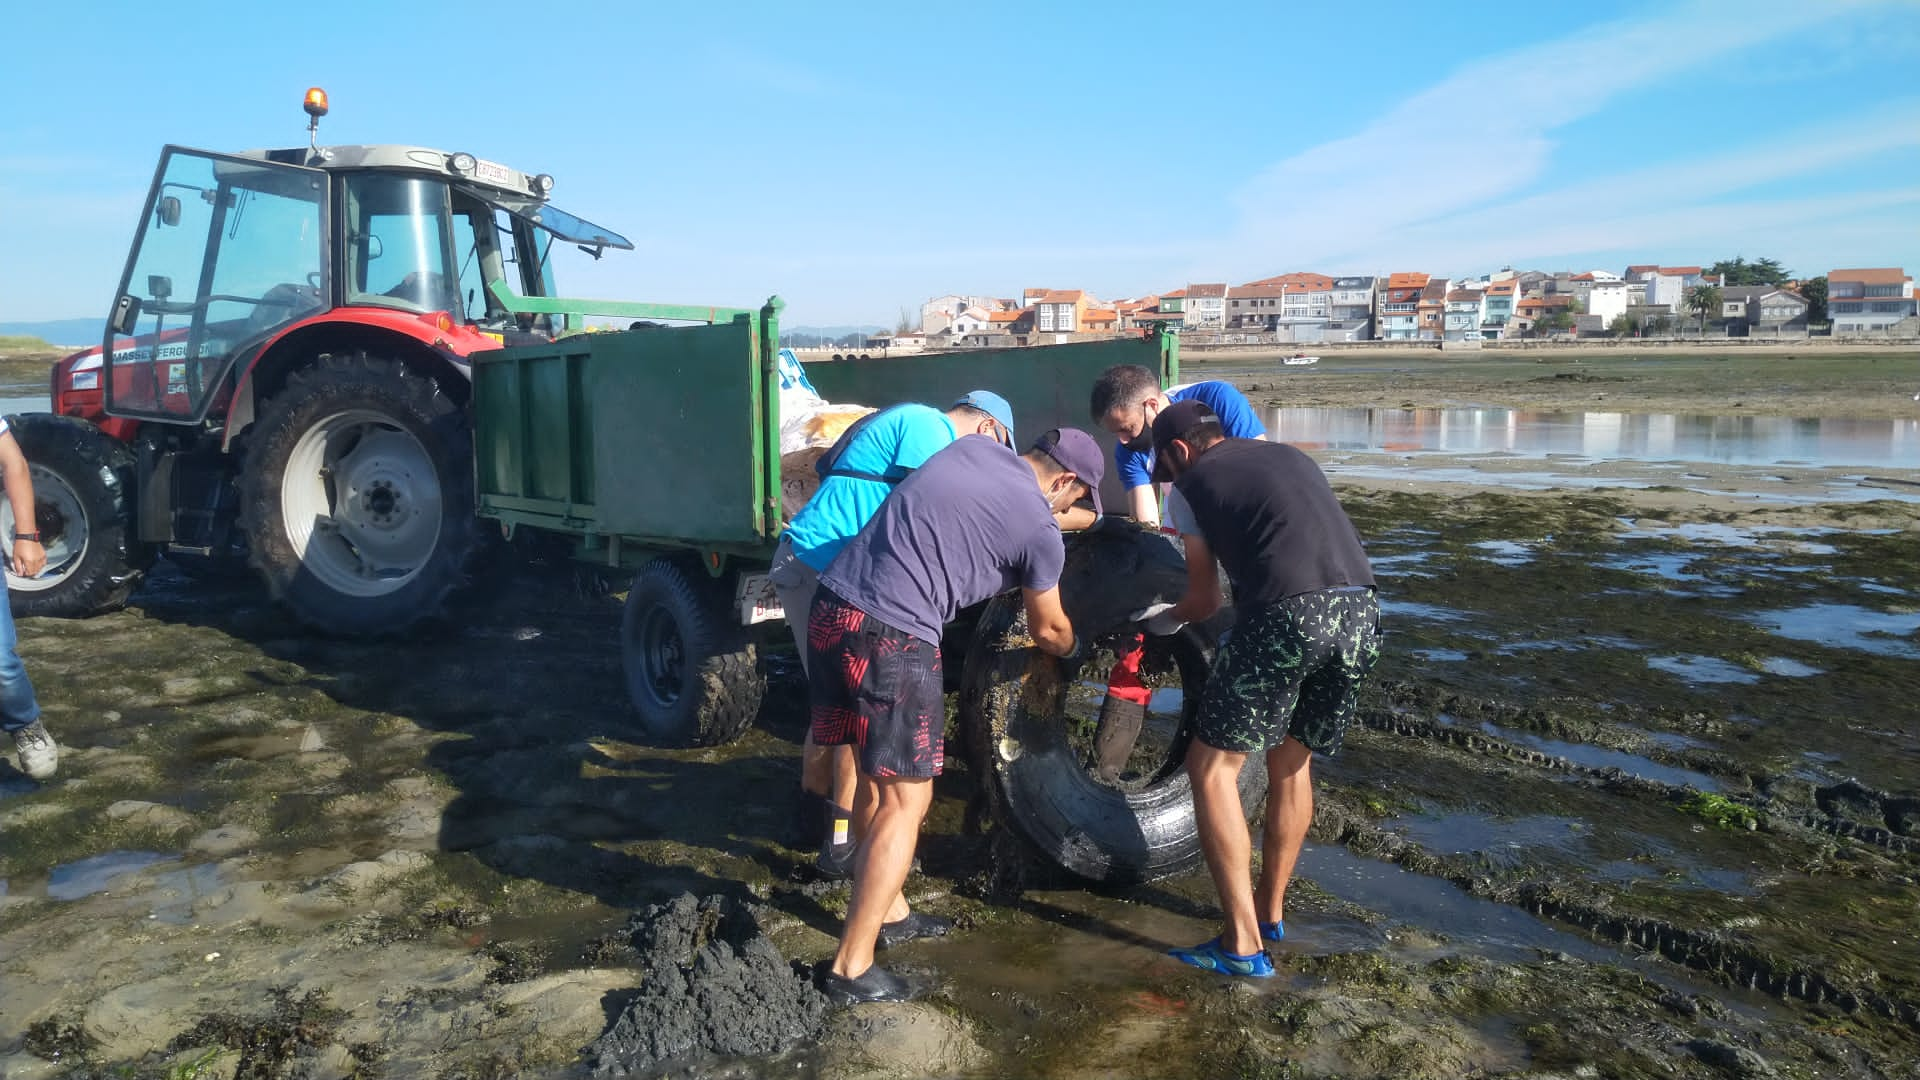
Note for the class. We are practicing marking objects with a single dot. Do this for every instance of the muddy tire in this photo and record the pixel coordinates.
(83, 505)
(1014, 708)
(357, 496)
(692, 671)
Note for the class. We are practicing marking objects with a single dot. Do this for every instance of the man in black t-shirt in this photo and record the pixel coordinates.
(1306, 632)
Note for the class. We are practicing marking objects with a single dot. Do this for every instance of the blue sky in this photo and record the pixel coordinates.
(857, 159)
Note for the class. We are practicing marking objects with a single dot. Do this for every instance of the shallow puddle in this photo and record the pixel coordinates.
(1845, 626)
(84, 877)
(1703, 669)
(1597, 757)
(1502, 839)
(1505, 552)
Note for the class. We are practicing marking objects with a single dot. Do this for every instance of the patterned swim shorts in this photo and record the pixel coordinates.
(1291, 668)
(876, 688)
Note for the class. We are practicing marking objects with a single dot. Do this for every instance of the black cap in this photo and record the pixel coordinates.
(1174, 422)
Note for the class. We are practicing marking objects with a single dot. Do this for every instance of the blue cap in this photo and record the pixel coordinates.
(995, 406)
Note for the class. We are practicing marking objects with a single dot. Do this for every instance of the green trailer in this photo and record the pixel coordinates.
(655, 453)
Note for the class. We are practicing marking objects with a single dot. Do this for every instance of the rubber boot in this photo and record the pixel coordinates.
(1122, 714)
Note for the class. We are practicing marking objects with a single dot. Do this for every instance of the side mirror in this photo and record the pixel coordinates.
(159, 286)
(375, 248)
(167, 214)
(126, 312)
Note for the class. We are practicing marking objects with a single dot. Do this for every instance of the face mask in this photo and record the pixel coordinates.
(1140, 443)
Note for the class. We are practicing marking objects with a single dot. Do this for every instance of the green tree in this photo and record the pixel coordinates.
(1705, 300)
(1738, 271)
(1815, 292)
(1622, 325)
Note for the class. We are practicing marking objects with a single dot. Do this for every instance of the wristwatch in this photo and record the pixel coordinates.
(33, 536)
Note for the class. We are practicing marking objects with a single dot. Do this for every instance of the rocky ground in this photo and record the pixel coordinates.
(1634, 796)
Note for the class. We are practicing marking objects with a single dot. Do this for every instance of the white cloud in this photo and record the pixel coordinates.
(1447, 175)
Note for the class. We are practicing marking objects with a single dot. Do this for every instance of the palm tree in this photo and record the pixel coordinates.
(1704, 299)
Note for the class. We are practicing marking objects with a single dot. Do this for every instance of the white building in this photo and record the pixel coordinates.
(1669, 285)
(939, 313)
(1868, 301)
(1206, 307)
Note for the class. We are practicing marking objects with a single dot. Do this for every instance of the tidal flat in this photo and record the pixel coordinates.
(1632, 795)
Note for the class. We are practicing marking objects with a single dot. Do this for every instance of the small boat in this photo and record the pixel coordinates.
(1298, 359)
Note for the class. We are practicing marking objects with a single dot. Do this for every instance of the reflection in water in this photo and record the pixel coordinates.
(1730, 440)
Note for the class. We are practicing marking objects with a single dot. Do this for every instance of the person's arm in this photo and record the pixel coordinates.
(1076, 518)
(1144, 502)
(1047, 620)
(1202, 598)
(29, 556)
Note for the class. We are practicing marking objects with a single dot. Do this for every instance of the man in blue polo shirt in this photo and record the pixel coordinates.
(883, 449)
(1126, 399)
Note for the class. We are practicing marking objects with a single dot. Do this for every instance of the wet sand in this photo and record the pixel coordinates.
(1632, 795)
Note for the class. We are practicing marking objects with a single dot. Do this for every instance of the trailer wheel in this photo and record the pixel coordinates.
(83, 504)
(357, 496)
(692, 671)
(1029, 732)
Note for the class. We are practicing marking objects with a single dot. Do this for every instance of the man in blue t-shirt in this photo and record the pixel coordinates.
(888, 445)
(973, 522)
(1126, 399)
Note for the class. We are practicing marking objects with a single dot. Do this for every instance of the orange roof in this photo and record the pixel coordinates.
(1464, 294)
(1209, 291)
(1679, 271)
(1501, 288)
(1413, 280)
(1883, 275)
(1097, 315)
(1643, 269)
(1063, 296)
(1588, 276)
(1008, 316)
(1298, 281)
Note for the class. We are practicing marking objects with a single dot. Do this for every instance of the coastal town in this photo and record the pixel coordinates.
(1304, 308)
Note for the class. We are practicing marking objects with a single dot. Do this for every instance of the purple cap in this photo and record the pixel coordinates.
(1076, 452)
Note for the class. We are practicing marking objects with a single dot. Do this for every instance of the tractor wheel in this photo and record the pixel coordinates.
(357, 496)
(693, 673)
(1031, 735)
(83, 505)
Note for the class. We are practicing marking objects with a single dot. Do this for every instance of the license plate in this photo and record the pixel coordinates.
(492, 173)
(757, 600)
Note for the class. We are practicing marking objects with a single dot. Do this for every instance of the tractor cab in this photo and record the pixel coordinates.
(237, 250)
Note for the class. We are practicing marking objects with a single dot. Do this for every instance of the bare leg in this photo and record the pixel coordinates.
(816, 769)
(1224, 840)
(845, 776)
(866, 803)
(898, 806)
(1289, 814)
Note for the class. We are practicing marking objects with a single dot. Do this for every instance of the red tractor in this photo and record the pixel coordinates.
(284, 378)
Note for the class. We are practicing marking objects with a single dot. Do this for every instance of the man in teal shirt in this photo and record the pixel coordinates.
(886, 447)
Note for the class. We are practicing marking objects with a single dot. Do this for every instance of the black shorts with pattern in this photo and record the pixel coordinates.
(1291, 668)
(875, 687)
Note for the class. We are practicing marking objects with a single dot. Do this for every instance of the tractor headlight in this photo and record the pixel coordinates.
(86, 380)
(463, 163)
(543, 184)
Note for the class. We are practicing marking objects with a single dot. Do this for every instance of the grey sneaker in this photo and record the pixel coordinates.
(39, 754)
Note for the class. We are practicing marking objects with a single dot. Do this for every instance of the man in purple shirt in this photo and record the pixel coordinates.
(975, 520)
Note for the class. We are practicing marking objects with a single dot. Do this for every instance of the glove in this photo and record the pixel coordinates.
(1158, 620)
(1076, 657)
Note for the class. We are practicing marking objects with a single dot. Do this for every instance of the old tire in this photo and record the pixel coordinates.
(357, 496)
(692, 671)
(83, 505)
(1014, 706)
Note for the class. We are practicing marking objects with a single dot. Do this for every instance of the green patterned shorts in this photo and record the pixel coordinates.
(1291, 668)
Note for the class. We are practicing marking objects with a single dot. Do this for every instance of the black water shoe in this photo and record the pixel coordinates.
(874, 984)
(915, 926)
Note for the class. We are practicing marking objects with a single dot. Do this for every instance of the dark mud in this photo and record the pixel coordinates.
(714, 985)
(1550, 849)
